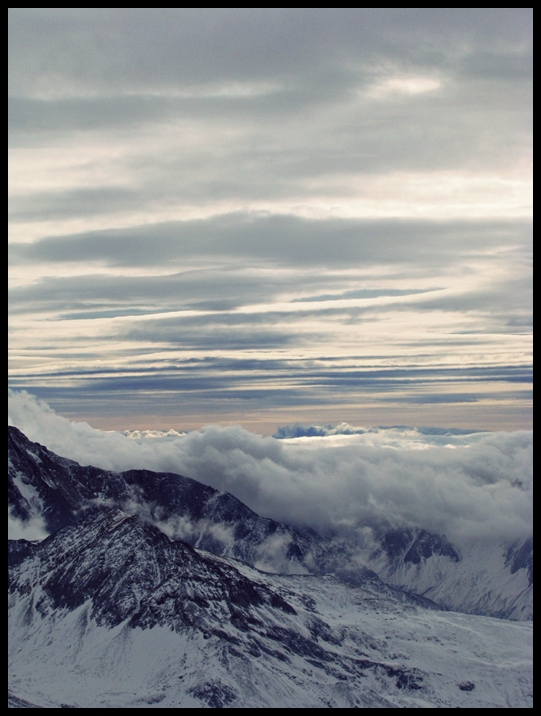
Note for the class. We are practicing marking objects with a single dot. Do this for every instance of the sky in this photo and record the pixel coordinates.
(263, 217)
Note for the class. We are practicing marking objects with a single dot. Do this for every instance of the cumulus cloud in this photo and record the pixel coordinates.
(476, 485)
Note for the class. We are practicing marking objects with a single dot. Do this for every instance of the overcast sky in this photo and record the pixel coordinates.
(270, 216)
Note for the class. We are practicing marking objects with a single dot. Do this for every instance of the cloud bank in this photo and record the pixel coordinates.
(476, 485)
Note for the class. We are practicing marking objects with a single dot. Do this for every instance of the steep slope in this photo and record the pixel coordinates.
(60, 491)
(109, 612)
(483, 578)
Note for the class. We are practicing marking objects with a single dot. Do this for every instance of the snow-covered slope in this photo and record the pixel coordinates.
(108, 612)
(483, 578)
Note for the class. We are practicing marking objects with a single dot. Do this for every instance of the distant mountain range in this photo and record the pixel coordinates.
(149, 592)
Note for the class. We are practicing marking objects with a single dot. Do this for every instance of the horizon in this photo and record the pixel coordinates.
(266, 217)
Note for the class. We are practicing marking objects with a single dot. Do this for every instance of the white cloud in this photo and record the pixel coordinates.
(33, 529)
(481, 488)
(404, 85)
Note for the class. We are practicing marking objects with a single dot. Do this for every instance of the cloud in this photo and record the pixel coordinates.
(286, 432)
(274, 106)
(219, 384)
(280, 182)
(33, 529)
(476, 485)
(153, 49)
(284, 240)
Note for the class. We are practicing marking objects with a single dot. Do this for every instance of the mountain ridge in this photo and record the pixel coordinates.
(110, 613)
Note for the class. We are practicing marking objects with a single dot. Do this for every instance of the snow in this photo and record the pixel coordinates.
(481, 582)
(219, 633)
(67, 658)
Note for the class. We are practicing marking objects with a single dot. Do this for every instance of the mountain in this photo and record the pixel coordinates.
(493, 579)
(109, 612)
(61, 492)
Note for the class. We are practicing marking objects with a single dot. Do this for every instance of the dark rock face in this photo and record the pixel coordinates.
(214, 694)
(128, 570)
(396, 542)
(427, 544)
(412, 545)
(63, 492)
(19, 550)
(14, 702)
(520, 556)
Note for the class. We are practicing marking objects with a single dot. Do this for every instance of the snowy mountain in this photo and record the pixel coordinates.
(483, 578)
(493, 578)
(61, 492)
(109, 612)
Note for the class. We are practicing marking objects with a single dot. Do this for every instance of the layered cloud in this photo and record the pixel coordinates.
(476, 485)
(207, 199)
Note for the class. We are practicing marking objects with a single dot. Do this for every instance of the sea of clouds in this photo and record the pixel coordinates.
(465, 485)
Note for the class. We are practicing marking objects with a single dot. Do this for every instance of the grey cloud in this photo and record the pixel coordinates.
(282, 240)
(231, 370)
(29, 115)
(468, 491)
(217, 399)
(76, 202)
(145, 46)
(98, 295)
(217, 337)
(277, 145)
(506, 304)
(410, 375)
(310, 60)
(363, 293)
(274, 404)
(510, 66)
(222, 324)
(233, 384)
(169, 46)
